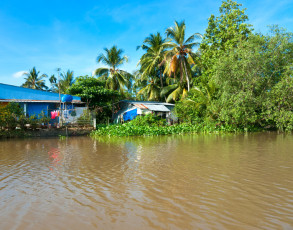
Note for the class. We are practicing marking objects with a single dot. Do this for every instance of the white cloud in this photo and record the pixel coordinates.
(93, 72)
(19, 74)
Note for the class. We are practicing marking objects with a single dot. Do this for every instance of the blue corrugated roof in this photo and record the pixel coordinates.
(16, 92)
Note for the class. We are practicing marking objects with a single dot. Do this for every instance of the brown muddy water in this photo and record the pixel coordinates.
(174, 182)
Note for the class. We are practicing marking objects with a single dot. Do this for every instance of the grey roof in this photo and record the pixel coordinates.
(159, 108)
(147, 102)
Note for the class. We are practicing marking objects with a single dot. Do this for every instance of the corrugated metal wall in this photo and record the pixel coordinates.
(37, 108)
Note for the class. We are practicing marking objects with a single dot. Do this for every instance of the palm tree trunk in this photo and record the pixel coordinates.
(161, 79)
(181, 71)
(186, 74)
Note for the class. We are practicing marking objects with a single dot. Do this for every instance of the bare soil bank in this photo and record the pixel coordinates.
(45, 132)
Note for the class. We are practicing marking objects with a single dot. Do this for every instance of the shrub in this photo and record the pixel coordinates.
(9, 115)
(42, 118)
(148, 120)
(33, 121)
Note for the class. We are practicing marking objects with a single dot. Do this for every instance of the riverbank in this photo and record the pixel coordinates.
(131, 129)
(45, 132)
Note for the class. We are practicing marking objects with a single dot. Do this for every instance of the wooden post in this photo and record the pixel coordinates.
(94, 122)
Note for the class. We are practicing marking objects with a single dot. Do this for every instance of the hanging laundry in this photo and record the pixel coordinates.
(53, 114)
(65, 113)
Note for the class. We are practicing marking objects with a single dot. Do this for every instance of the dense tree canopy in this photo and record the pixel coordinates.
(97, 97)
(247, 75)
(223, 33)
(93, 91)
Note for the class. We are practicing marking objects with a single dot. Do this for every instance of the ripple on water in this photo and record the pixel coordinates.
(181, 182)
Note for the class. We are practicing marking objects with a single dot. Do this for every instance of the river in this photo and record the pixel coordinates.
(242, 181)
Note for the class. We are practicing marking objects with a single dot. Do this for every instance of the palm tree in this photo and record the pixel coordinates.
(34, 81)
(67, 80)
(201, 96)
(180, 55)
(174, 91)
(116, 79)
(153, 60)
(149, 87)
(53, 82)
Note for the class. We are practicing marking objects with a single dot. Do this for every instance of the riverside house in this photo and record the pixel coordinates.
(35, 101)
(128, 110)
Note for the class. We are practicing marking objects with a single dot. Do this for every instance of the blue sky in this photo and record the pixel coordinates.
(70, 34)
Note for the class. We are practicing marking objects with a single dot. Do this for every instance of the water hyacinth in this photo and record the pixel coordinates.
(138, 127)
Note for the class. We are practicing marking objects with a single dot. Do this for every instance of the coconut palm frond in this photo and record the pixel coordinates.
(154, 93)
(174, 95)
(34, 81)
(143, 90)
(193, 37)
(173, 65)
(168, 89)
(184, 93)
(101, 71)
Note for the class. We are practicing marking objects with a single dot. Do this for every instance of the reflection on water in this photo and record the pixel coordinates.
(169, 182)
(56, 157)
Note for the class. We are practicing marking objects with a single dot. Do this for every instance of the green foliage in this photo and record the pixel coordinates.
(22, 121)
(250, 86)
(93, 91)
(9, 115)
(97, 97)
(174, 92)
(198, 103)
(142, 128)
(148, 120)
(278, 106)
(151, 91)
(247, 77)
(224, 32)
(33, 121)
(42, 118)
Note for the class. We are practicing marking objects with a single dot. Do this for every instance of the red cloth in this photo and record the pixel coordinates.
(53, 115)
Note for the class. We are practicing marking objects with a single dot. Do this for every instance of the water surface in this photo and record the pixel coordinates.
(173, 182)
